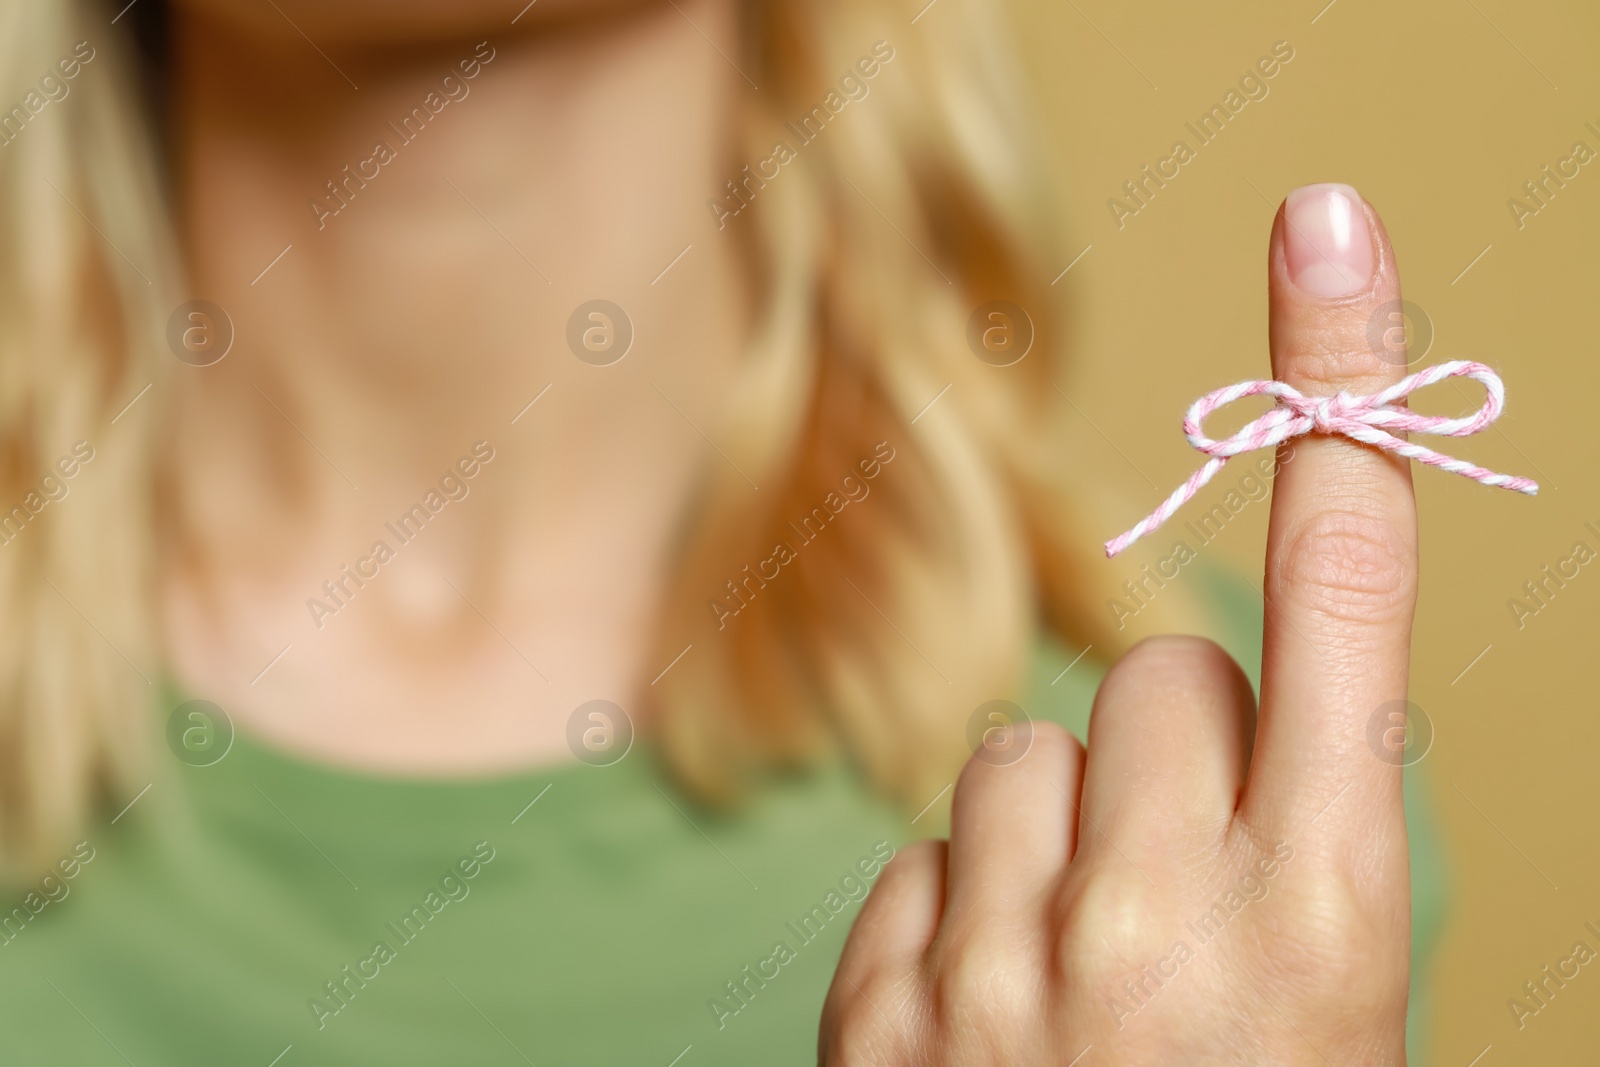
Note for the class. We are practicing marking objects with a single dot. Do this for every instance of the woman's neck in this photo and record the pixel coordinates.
(400, 262)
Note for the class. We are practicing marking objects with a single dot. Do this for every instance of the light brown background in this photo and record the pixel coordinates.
(1437, 111)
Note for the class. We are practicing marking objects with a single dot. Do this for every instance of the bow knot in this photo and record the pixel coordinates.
(1368, 419)
(1327, 412)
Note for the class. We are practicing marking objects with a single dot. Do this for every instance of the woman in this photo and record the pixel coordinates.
(547, 376)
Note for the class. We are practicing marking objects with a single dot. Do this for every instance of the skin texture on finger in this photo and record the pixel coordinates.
(888, 942)
(1012, 828)
(1341, 566)
(1169, 744)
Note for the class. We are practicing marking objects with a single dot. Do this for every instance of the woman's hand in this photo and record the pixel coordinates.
(1210, 885)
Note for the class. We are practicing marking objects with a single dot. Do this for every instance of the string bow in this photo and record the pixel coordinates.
(1368, 419)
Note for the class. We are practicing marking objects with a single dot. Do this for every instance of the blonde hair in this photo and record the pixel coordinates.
(871, 251)
(875, 243)
(88, 271)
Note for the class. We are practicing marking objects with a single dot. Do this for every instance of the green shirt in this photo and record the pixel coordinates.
(267, 910)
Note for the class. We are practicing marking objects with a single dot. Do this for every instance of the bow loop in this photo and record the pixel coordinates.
(1367, 419)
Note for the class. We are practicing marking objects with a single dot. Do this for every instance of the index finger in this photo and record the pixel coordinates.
(1341, 567)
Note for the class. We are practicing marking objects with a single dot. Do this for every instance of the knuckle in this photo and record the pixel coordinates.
(985, 981)
(918, 860)
(863, 1023)
(1045, 747)
(1338, 952)
(1177, 654)
(1103, 925)
(1051, 741)
(1032, 748)
(1349, 567)
(1166, 647)
(1028, 747)
(1171, 664)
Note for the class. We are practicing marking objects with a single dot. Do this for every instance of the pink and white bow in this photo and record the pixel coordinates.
(1367, 419)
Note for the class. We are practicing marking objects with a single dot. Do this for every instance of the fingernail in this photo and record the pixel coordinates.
(1326, 240)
